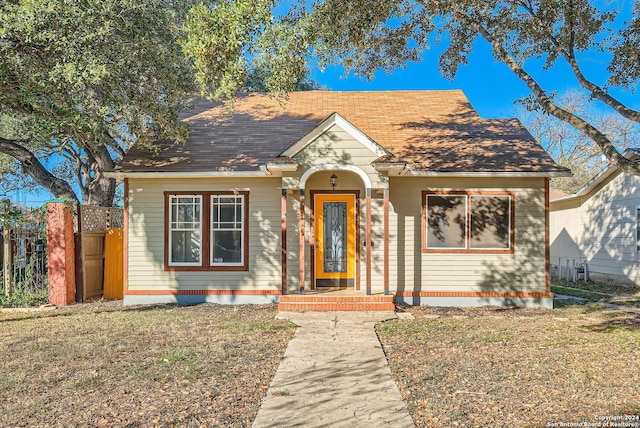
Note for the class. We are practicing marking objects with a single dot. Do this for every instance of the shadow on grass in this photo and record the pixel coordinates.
(630, 323)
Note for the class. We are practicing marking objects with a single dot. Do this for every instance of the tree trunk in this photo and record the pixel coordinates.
(101, 190)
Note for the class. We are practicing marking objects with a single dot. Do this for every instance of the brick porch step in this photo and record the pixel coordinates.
(303, 303)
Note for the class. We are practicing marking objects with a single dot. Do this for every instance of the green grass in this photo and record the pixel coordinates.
(23, 299)
(586, 294)
(597, 292)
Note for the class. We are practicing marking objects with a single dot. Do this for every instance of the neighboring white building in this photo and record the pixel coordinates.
(600, 224)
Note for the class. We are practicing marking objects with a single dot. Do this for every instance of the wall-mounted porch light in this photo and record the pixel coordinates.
(333, 181)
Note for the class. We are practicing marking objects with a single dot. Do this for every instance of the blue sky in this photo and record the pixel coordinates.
(491, 86)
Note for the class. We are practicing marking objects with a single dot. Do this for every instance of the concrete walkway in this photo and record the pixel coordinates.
(334, 373)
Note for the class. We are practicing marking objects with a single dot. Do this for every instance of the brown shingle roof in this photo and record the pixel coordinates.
(437, 131)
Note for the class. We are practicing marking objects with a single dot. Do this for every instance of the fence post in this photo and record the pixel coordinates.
(61, 257)
(6, 262)
(559, 267)
(586, 272)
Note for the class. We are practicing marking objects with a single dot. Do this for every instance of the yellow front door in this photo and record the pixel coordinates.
(335, 232)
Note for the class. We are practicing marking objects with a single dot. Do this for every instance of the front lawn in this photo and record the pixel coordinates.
(101, 364)
(594, 291)
(515, 367)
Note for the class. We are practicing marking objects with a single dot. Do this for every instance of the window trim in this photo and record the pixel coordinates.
(206, 228)
(468, 249)
(243, 227)
(169, 230)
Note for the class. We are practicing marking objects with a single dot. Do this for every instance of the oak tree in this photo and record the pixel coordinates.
(79, 82)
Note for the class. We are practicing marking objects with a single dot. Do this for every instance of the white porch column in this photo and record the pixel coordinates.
(301, 251)
(283, 234)
(368, 237)
(386, 241)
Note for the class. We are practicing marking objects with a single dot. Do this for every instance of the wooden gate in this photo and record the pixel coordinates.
(93, 259)
(113, 264)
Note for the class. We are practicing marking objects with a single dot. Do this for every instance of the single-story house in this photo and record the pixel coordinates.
(600, 225)
(408, 193)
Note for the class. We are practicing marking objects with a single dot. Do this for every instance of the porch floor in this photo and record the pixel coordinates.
(336, 299)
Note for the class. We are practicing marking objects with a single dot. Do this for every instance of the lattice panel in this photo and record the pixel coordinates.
(117, 218)
(99, 219)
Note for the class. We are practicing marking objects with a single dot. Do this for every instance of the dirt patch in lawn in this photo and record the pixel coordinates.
(515, 367)
(102, 364)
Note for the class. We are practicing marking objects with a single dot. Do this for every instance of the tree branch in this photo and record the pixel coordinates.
(34, 168)
(598, 93)
(546, 103)
(595, 91)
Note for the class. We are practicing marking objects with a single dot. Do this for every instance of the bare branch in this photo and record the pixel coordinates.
(547, 103)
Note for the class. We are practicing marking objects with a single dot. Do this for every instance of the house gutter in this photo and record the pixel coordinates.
(403, 169)
(186, 174)
(276, 169)
(544, 174)
(588, 188)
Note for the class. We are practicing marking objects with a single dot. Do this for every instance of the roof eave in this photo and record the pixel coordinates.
(335, 119)
(276, 169)
(185, 174)
(393, 168)
(541, 174)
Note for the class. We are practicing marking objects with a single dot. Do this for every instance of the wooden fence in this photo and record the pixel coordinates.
(98, 252)
(96, 247)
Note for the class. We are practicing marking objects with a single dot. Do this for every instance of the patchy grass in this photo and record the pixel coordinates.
(101, 364)
(599, 292)
(515, 367)
(577, 292)
(22, 298)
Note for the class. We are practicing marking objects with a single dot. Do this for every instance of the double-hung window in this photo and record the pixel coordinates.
(461, 221)
(227, 225)
(185, 224)
(206, 230)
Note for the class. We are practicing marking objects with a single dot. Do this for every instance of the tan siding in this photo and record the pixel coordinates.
(336, 146)
(146, 236)
(522, 271)
(410, 268)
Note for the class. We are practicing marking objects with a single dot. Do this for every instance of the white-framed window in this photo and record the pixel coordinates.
(468, 221)
(206, 231)
(227, 230)
(185, 230)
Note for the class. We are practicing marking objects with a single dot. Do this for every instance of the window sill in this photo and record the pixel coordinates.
(206, 268)
(465, 251)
